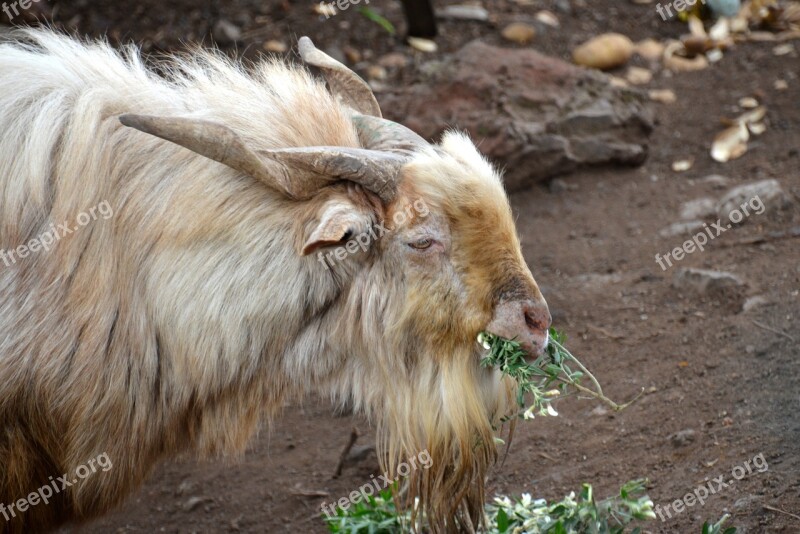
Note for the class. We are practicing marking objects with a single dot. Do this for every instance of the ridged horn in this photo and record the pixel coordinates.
(299, 173)
(343, 82)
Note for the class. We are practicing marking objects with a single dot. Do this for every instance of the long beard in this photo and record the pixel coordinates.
(451, 409)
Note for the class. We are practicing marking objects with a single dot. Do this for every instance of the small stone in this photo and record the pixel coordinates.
(638, 76)
(604, 51)
(548, 18)
(649, 49)
(225, 32)
(680, 228)
(699, 208)
(754, 302)
(704, 281)
(780, 85)
(376, 72)
(277, 47)
(662, 96)
(193, 503)
(715, 180)
(682, 438)
(463, 12)
(755, 197)
(352, 54)
(393, 60)
(423, 45)
(519, 32)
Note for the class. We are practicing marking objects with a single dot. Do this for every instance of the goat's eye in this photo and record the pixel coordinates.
(421, 244)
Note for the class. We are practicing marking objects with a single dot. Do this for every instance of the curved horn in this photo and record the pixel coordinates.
(297, 172)
(343, 82)
(376, 133)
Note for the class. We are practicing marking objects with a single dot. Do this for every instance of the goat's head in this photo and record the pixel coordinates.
(421, 241)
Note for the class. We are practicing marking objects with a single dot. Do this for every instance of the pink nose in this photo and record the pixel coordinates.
(527, 321)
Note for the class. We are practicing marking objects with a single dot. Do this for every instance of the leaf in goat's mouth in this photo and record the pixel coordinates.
(538, 378)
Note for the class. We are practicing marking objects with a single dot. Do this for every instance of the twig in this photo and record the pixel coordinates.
(598, 393)
(768, 507)
(309, 493)
(354, 434)
(773, 330)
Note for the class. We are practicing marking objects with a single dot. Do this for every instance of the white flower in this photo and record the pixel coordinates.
(551, 411)
(482, 340)
(526, 499)
(528, 414)
(552, 393)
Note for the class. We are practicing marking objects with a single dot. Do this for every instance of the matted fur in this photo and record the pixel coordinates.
(190, 316)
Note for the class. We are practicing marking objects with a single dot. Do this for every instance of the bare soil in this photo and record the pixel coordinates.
(706, 365)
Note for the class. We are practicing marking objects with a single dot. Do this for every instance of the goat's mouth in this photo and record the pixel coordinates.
(532, 345)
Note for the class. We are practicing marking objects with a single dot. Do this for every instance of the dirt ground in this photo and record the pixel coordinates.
(706, 366)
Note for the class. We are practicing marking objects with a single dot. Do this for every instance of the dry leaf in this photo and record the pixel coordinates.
(696, 27)
(680, 64)
(783, 49)
(730, 143)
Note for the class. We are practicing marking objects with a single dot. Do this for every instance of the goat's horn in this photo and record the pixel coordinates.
(297, 172)
(376, 133)
(343, 82)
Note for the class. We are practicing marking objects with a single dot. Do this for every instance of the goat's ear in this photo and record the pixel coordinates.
(338, 222)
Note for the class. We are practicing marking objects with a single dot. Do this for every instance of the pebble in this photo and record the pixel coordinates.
(519, 32)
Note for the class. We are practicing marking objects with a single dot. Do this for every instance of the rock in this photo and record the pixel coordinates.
(752, 199)
(715, 284)
(682, 438)
(463, 12)
(226, 32)
(604, 51)
(699, 208)
(680, 228)
(535, 115)
(519, 33)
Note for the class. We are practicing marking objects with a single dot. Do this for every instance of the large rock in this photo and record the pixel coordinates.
(536, 115)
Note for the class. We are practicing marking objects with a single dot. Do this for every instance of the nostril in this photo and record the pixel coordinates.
(537, 318)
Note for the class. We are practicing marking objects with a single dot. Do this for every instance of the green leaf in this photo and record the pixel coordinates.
(382, 21)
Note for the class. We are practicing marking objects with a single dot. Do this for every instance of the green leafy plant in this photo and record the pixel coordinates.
(380, 20)
(375, 515)
(548, 377)
(572, 515)
(716, 528)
